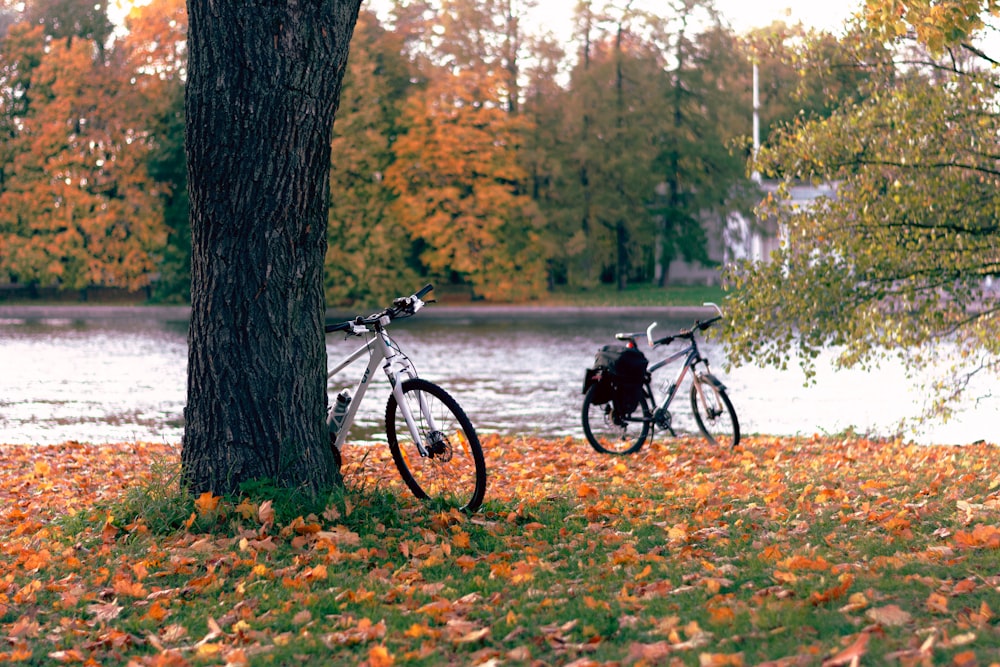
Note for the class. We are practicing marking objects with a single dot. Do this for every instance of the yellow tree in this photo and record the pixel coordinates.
(460, 187)
(368, 251)
(903, 261)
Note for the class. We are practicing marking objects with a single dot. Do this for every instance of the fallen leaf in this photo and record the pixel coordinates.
(850, 655)
(891, 615)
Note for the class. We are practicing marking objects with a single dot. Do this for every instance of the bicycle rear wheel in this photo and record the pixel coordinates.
(613, 434)
(454, 469)
(714, 413)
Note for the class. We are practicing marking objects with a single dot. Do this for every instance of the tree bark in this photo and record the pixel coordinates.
(264, 80)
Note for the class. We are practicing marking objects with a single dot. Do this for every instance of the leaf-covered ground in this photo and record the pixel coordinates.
(822, 551)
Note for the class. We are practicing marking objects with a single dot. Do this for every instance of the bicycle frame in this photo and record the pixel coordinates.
(381, 350)
(692, 358)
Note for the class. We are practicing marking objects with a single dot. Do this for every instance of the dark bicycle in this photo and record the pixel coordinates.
(619, 408)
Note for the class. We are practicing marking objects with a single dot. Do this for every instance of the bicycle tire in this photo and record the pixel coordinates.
(455, 469)
(609, 434)
(716, 419)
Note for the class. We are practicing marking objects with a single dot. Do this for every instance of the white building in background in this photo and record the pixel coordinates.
(755, 239)
(741, 238)
(738, 237)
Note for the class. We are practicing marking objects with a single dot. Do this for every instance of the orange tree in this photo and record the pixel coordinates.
(461, 185)
(75, 206)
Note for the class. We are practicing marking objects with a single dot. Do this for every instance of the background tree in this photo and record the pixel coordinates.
(804, 74)
(264, 80)
(154, 51)
(369, 257)
(903, 259)
(459, 189)
(542, 100)
(71, 19)
(462, 193)
(641, 142)
(701, 175)
(76, 208)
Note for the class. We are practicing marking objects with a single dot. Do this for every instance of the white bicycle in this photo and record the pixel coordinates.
(432, 441)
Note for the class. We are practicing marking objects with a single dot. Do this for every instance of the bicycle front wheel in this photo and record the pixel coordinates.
(453, 468)
(609, 433)
(714, 413)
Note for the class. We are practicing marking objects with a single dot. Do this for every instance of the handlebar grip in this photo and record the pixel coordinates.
(709, 322)
(666, 340)
(424, 290)
(340, 326)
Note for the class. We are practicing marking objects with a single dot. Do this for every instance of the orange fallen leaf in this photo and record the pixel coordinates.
(937, 603)
(379, 656)
(720, 660)
(207, 503)
(850, 655)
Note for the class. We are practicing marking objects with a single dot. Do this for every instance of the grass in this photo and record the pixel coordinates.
(787, 551)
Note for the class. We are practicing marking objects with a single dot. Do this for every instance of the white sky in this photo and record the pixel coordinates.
(745, 14)
(555, 15)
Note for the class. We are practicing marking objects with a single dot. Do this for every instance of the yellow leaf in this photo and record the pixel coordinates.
(785, 577)
(209, 650)
(246, 509)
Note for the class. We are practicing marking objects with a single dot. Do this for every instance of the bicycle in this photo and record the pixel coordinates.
(433, 443)
(610, 430)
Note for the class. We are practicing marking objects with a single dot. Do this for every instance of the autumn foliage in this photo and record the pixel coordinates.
(820, 551)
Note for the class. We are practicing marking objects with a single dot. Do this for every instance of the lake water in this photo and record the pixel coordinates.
(67, 375)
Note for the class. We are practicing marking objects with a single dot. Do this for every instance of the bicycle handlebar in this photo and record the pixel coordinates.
(683, 333)
(404, 306)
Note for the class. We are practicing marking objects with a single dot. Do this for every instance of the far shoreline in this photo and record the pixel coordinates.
(485, 311)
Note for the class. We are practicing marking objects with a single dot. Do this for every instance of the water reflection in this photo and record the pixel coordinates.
(125, 379)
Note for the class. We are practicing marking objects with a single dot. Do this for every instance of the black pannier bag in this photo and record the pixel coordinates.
(627, 368)
(601, 378)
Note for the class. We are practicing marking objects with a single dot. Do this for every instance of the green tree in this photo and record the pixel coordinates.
(701, 175)
(71, 19)
(542, 98)
(369, 253)
(603, 144)
(804, 74)
(264, 80)
(902, 259)
(642, 142)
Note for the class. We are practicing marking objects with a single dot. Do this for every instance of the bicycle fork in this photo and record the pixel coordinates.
(396, 380)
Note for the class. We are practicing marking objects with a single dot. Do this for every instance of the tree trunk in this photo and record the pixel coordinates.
(621, 245)
(264, 80)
